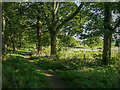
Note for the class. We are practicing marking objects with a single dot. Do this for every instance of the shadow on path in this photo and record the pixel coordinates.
(54, 80)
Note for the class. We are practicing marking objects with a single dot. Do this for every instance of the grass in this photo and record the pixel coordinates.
(20, 73)
(99, 77)
(71, 66)
(98, 46)
(80, 73)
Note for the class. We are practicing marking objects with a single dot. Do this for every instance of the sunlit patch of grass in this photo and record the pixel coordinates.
(99, 77)
(20, 73)
(15, 55)
(80, 73)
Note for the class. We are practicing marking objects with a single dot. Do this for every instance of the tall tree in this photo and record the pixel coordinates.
(56, 18)
(38, 23)
(12, 23)
(101, 23)
(109, 30)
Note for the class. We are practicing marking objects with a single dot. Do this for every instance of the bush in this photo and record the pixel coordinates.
(67, 40)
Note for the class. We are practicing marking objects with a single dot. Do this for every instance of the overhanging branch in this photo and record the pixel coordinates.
(69, 18)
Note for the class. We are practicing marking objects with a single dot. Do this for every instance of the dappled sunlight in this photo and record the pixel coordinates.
(90, 77)
(60, 44)
(80, 73)
(77, 71)
(49, 75)
(20, 73)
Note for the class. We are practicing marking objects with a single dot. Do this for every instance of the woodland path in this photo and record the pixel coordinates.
(54, 80)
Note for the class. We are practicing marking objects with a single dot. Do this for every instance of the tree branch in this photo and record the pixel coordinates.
(53, 13)
(69, 18)
(45, 32)
(57, 7)
(58, 20)
(42, 34)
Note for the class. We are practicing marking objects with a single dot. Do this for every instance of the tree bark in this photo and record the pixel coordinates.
(39, 35)
(107, 48)
(0, 40)
(20, 42)
(53, 27)
(53, 44)
(5, 47)
(13, 43)
(3, 34)
(39, 45)
(107, 33)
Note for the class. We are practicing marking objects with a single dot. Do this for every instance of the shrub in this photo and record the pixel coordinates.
(67, 40)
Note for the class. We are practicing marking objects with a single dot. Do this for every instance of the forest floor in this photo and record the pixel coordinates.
(25, 69)
(54, 80)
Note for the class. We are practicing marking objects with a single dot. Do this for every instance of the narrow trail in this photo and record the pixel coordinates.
(55, 81)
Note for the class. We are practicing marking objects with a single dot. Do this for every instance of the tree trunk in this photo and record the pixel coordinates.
(13, 43)
(53, 44)
(107, 48)
(3, 34)
(5, 47)
(107, 32)
(39, 45)
(39, 35)
(20, 42)
(0, 40)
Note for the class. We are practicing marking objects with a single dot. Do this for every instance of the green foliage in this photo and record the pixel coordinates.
(117, 42)
(80, 68)
(97, 77)
(19, 73)
(98, 57)
(46, 40)
(48, 63)
(67, 40)
(94, 41)
(79, 73)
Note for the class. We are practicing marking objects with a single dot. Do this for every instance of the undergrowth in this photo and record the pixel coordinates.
(84, 73)
(19, 73)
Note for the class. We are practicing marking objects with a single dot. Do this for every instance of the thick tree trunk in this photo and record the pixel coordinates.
(107, 48)
(107, 33)
(53, 44)
(53, 27)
